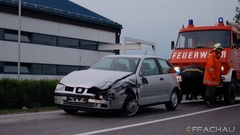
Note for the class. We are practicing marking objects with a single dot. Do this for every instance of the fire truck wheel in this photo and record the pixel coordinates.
(230, 90)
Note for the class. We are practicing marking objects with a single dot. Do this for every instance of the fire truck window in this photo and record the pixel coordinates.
(190, 43)
(225, 39)
(234, 40)
(202, 39)
(181, 41)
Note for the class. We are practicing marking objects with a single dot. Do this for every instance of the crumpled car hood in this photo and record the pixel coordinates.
(92, 77)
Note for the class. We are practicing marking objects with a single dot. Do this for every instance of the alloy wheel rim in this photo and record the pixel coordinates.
(174, 99)
(132, 107)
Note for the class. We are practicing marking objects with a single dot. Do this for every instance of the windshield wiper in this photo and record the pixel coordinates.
(200, 47)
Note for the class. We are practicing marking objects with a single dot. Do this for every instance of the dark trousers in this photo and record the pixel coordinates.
(210, 91)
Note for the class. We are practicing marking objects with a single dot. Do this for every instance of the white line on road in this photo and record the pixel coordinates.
(26, 114)
(154, 121)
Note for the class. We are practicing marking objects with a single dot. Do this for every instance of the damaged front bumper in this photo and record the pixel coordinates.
(87, 103)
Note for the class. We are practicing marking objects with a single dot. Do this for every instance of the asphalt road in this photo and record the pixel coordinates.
(189, 118)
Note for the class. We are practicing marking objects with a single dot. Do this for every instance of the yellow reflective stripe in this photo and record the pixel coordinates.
(210, 69)
(197, 70)
(210, 82)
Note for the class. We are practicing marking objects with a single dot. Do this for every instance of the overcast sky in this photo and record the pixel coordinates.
(159, 21)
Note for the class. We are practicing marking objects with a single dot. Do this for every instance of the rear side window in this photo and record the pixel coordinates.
(149, 67)
(166, 66)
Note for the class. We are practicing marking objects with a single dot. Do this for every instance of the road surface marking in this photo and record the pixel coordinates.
(154, 121)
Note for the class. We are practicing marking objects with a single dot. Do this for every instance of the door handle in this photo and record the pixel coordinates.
(161, 78)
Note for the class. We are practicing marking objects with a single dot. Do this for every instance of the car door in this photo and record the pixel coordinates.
(150, 92)
(169, 78)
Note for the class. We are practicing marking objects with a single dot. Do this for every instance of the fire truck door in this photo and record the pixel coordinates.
(236, 49)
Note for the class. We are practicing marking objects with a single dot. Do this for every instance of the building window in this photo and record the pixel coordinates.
(12, 67)
(1, 67)
(44, 69)
(40, 69)
(1, 34)
(88, 45)
(68, 42)
(63, 70)
(13, 35)
(44, 39)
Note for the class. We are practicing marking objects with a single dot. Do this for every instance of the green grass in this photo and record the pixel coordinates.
(31, 110)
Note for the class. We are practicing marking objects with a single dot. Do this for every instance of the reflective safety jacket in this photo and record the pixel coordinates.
(212, 75)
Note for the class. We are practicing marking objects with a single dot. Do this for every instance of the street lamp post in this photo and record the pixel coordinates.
(19, 36)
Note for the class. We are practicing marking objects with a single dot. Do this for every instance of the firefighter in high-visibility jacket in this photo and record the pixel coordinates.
(212, 75)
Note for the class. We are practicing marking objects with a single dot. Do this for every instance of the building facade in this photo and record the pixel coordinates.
(57, 37)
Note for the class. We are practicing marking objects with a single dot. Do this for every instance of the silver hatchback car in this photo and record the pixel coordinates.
(123, 83)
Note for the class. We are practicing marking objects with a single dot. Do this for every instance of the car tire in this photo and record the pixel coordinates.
(173, 103)
(70, 111)
(130, 106)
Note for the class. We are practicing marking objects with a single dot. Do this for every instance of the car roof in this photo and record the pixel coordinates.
(134, 56)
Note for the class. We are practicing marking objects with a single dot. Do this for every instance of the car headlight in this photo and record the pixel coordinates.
(177, 70)
(60, 87)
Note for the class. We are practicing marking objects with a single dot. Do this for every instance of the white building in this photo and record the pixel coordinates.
(57, 37)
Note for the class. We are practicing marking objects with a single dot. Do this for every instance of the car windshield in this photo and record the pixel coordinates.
(124, 64)
(203, 39)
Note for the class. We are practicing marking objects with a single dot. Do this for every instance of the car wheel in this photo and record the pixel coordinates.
(130, 106)
(70, 111)
(173, 103)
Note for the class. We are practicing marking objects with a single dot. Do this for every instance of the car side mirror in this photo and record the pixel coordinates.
(172, 45)
(144, 80)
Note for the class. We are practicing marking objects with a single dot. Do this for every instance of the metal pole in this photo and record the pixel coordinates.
(123, 45)
(19, 36)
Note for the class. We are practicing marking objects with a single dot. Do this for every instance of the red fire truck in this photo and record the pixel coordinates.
(190, 54)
